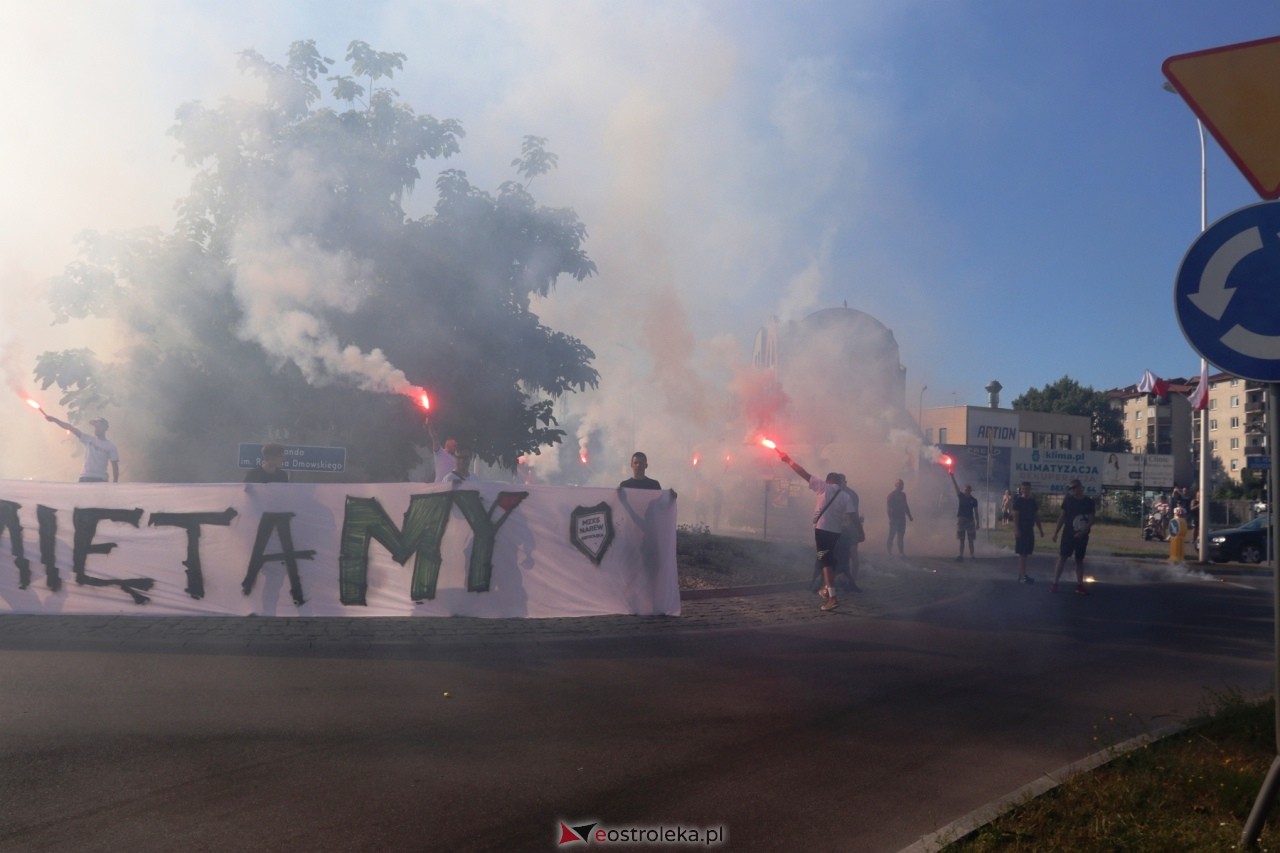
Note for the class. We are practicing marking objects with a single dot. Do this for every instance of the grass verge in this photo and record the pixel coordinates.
(1192, 791)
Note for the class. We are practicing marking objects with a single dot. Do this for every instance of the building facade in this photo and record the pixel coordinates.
(1160, 426)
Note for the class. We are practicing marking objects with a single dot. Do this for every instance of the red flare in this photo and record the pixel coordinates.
(33, 404)
(769, 444)
(947, 462)
(583, 457)
(695, 460)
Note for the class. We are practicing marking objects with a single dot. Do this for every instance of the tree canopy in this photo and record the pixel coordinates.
(1069, 397)
(295, 300)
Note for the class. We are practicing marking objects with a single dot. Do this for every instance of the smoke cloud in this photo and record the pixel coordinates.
(715, 159)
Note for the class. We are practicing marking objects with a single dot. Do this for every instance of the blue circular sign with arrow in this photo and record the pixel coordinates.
(1227, 294)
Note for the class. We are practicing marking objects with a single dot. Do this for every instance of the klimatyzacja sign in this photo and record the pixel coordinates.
(294, 549)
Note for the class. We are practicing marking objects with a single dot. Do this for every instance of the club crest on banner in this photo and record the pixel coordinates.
(591, 530)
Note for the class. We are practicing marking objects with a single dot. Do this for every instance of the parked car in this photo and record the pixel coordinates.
(1246, 543)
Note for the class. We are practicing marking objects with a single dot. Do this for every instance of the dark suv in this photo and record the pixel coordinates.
(1246, 543)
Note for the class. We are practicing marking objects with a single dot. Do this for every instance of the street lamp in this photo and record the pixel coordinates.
(1202, 524)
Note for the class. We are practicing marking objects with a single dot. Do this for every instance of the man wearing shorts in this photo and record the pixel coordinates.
(966, 517)
(1026, 519)
(831, 512)
(1074, 524)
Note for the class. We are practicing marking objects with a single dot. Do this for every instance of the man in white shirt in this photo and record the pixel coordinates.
(835, 504)
(98, 451)
(445, 453)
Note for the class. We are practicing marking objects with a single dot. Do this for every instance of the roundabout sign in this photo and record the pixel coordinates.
(1227, 293)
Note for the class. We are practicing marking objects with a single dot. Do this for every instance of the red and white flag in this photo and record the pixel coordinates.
(1152, 384)
(1199, 398)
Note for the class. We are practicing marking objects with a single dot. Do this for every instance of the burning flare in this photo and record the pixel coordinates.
(583, 457)
(769, 444)
(33, 404)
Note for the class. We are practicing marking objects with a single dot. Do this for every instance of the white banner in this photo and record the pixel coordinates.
(293, 549)
(1137, 470)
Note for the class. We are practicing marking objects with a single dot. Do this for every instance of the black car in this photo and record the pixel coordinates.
(1246, 543)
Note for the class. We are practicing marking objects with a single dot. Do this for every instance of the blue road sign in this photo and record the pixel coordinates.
(299, 457)
(1257, 463)
(1227, 293)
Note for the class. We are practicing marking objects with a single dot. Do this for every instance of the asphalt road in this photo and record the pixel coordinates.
(939, 689)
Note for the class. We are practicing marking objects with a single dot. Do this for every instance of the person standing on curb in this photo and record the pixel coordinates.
(966, 516)
(899, 515)
(834, 504)
(1026, 519)
(1074, 524)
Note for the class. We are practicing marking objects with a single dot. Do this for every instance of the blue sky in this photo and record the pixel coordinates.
(1003, 183)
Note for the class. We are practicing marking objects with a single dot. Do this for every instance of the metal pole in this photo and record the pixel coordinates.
(1202, 524)
(1267, 795)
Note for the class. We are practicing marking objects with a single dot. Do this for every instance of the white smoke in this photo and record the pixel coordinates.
(280, 284)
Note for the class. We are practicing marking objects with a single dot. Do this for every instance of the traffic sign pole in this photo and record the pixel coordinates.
(1271, 784)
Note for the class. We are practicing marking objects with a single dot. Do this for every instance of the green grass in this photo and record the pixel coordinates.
(1116, 539)
(1192, 791)
(708, 560)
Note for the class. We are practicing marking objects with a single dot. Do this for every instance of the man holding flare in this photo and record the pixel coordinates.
(832, 512)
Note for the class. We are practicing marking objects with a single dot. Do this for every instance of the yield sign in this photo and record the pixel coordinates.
(1235, 92)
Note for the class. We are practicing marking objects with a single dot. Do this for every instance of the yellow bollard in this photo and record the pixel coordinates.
(1177, 536)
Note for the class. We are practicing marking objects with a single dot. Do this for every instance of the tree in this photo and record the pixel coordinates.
(296, 300)
(1069, 397)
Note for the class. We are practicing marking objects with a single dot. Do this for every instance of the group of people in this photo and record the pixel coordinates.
(1074, 523)
(836, 520)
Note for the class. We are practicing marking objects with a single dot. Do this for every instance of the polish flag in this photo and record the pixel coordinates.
(1199, 398)
(1152, 384)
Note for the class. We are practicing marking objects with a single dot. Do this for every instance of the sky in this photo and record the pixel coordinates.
(1003, 184)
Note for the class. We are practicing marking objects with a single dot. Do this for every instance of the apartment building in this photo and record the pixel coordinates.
(1160, 425)
(1237, 425)
(1237, 414)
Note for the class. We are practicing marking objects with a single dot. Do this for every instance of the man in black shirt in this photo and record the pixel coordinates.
(966, 517)
(638, 480)
(1074, 525)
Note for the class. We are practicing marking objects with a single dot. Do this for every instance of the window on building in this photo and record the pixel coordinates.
(1213, 424)
(1063, 441)
(1235, 444)
(942, 435)
(1235, 464)
(928, 436)
(1235, 382)
(1235, 423)
(1213, 404)
(1235, 401)
(1137, 416)
(1137, 432)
